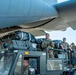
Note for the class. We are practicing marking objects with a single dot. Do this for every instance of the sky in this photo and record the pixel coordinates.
(70, 34)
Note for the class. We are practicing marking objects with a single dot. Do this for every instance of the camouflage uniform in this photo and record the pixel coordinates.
(65, 45)
(48, 45)
(18, 70)
(25, 70)
(74, 50)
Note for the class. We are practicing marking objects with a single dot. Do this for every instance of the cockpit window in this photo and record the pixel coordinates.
(54, 64)
(18, 65)
(4, 63)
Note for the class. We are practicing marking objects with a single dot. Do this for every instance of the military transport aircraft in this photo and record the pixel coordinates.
(35, 16)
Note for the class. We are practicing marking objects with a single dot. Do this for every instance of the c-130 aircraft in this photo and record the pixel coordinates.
(35, 16)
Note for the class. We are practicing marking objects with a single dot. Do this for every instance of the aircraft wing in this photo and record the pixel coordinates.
(35, 16)
(66, 18)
